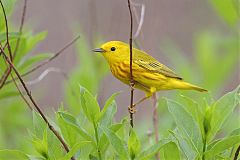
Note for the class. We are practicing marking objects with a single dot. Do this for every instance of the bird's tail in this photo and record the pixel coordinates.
(185, 85)
(198, 88)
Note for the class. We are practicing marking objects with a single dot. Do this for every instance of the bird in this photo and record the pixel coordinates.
(149, 75)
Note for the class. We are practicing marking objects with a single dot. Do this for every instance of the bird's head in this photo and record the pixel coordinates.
(114, 50)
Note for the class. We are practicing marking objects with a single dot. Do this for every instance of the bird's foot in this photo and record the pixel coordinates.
(132, 109)
(132, 84)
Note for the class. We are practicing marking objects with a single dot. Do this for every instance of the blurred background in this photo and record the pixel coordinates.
(168, 26)
(198, 39)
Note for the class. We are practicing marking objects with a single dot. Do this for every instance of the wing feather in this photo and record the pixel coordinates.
(149, 63)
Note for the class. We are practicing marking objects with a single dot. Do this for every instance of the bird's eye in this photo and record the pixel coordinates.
(113, 49)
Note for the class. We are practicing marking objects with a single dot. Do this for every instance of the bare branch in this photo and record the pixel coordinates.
(44, 74)
(7, 32)
(155, 120)
(21, 94)
(131, 74)
(140, 22)
(236, 153)
(8, 71)
(20, 28)
(48, 60)
(34, 103)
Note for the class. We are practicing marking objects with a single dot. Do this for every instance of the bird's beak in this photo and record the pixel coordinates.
(98, 50)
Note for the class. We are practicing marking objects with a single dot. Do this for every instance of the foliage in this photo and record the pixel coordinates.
(93, 134)
(14, 117)
(197, 129)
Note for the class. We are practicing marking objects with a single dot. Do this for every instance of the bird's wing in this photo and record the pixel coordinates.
(149, 63)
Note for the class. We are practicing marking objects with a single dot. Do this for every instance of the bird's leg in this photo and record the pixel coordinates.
(132, 109)
(132, 84)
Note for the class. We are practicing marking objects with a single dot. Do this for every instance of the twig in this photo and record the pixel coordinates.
(236, 153)
(8, 71)
(21, 94)
(48, 60)
(45, 73)
(131, 74)
(7, 32)
(155, 121)
(20, 28)
(34, 103)
(140, 22)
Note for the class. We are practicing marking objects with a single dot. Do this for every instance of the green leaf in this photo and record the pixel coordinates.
(68, 132)
(227, 10)
(171, 151)
(235, 132)
(103, 143)
(134, 144)
(186, 149)
(186, 125)
(38, 124)
(108, 117)
(108, 103)
(75, 148)
(221, 110)
(71, 121)
(116, 142)
(222, 145)
(11, 35)
(150, 152)
(196, 112)
(6, 95)
(41, 145)
(27, 43)
(13, 154)
(89, 105)
(34, 59)
(9, 6)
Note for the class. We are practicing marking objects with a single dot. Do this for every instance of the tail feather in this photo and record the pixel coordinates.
(179, 84)
(198, 88)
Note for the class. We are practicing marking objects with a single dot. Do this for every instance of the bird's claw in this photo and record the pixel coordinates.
(132, 109)
(132, 84)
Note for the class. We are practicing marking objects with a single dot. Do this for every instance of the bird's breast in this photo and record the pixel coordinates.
(120, 71)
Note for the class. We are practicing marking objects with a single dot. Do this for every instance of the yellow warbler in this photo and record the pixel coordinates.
(149, 75)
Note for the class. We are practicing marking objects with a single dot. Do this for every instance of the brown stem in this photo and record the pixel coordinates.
(6, 26)
(236, 153)
(34, 103)
(131, 74)
(47, 61)
(20, 28)
(155, 121)
(8, 71)
(21, 94)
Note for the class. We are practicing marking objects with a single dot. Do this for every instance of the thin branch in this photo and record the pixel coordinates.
(236, 153)
(131, 74)
(7, 32)
(20, 28)
(45, 73)
(21, 94)
(155, 120)
(8, 71)
(34, 103)
(48, 60)
(140, 22)
(4, 77)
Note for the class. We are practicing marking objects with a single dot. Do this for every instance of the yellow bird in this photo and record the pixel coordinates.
(149, 75)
